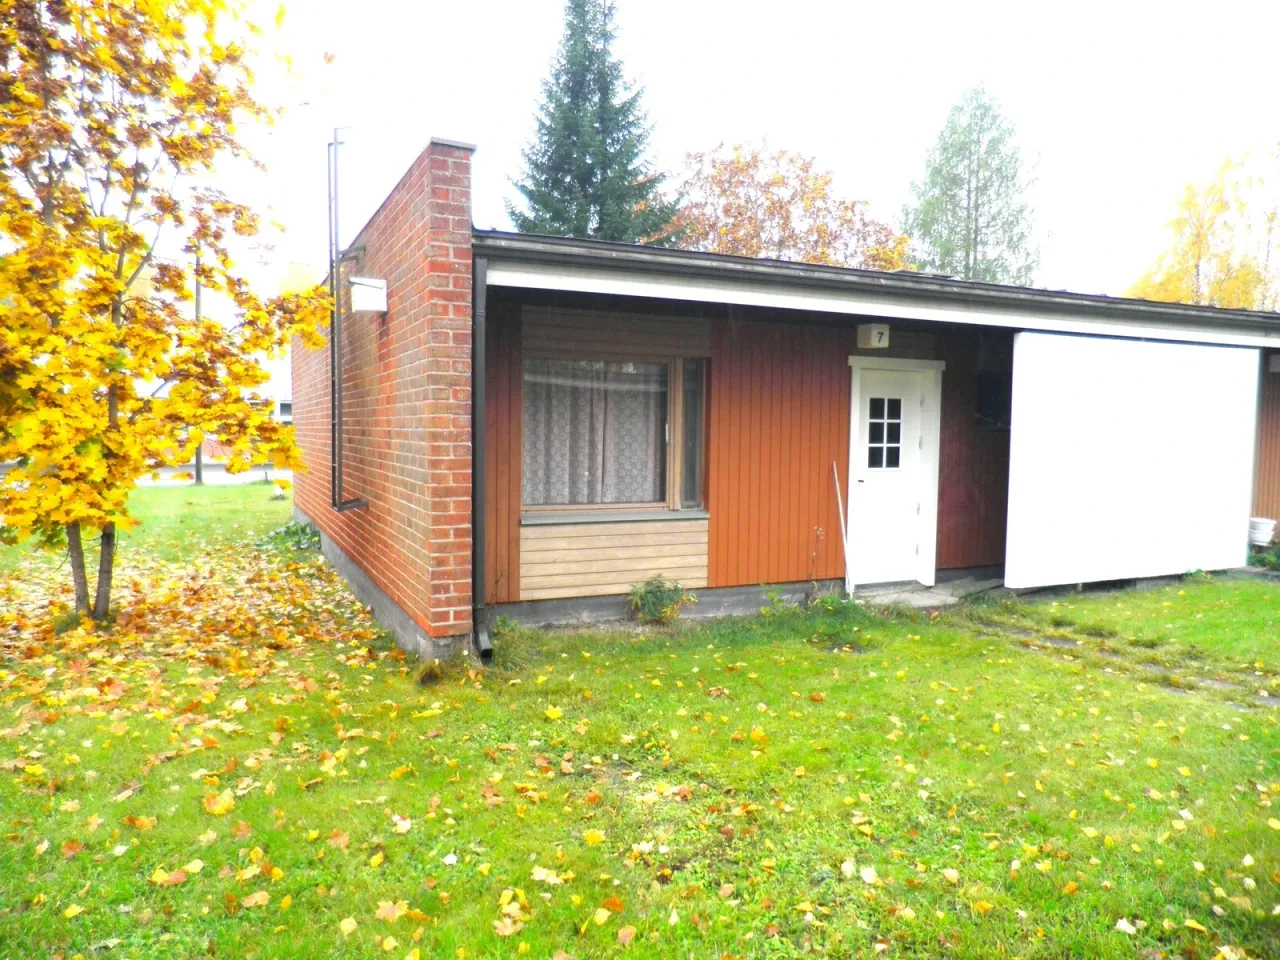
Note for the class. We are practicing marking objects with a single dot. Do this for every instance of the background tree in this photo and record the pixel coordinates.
(970, 218)
(751, 203)
(585, 172)
(1223, 244)
(108, 111)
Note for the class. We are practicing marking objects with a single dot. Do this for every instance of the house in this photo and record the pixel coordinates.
(533, 425)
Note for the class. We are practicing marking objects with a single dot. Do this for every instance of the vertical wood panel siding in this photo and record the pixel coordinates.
(1267, 486)
(973, 482)
(779, 417)
(504, 394)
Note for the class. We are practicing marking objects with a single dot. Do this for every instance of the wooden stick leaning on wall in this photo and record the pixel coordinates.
(844, 543)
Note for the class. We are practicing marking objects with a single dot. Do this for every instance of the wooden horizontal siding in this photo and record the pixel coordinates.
(591, 334)
(599, 559)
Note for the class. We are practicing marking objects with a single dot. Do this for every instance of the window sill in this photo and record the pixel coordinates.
(609, 516)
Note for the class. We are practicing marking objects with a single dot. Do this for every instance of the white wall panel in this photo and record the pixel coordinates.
(1128, 458)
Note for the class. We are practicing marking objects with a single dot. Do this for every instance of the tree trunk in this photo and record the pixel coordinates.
(107, 555)
(75, 551)
(106, 566)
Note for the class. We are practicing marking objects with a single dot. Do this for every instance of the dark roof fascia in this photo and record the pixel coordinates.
(500, 246)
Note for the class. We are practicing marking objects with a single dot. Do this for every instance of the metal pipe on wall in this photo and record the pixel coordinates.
(335, 339)
(479, 466)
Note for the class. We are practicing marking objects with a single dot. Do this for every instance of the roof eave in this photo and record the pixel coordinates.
(598, 255)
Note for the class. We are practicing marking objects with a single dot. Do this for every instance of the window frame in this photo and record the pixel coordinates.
(673, 481)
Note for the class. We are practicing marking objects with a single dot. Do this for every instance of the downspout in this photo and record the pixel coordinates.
(336, 259)
(479, 433)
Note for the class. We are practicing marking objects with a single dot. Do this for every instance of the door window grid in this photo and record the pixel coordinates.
(884, 433)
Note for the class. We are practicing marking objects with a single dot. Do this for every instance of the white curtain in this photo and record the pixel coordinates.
(594, 432)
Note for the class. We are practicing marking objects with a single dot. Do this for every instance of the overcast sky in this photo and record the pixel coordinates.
(1117, 104)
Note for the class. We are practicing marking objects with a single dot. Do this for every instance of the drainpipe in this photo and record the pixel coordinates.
(479, 620)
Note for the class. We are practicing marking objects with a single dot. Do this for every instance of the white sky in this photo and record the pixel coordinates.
(1118, 103)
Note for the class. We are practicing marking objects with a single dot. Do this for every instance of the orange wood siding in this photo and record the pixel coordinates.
(779, 416)
(1266, 496)
(973, 480)
(503, 444)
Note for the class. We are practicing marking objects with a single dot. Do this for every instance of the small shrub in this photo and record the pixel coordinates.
(833, 602)
(1269, 559)
(293, 536)
(777, 604)
(659, 600)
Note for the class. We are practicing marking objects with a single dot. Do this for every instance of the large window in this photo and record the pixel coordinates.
(620, 433)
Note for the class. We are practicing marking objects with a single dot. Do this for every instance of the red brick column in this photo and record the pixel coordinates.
(448, 386)
(406, 411)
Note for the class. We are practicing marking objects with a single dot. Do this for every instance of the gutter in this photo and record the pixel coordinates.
(500, 246)
(479, 466)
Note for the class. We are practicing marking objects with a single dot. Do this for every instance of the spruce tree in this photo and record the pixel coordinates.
(585, 172)
(970, 218)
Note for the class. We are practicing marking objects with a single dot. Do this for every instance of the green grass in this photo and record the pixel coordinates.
(721, 788)
(176, 523)
(1201, 625)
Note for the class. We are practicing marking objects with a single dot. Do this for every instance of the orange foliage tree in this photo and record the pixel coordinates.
(107, 112)
(748, 202)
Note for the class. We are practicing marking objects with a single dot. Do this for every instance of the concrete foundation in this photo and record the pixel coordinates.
(711, 602)
(408, 635)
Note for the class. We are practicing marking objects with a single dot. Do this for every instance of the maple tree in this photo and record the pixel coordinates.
(1223, 243)
(750, 202)
(110, 113)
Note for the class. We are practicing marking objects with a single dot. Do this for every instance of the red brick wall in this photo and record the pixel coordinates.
(406, 401)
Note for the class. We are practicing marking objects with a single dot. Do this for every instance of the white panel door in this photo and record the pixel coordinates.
(1128, 458)
(885, 502)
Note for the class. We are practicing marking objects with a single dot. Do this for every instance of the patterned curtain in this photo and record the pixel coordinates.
(594, 432)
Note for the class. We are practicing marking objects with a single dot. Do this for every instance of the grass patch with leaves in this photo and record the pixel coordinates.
(1211, 626)
(177, 523)
(244, 766)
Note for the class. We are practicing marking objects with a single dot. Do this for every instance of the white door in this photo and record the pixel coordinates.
(886, 499)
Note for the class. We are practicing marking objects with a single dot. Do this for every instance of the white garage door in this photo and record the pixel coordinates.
(1128, 458)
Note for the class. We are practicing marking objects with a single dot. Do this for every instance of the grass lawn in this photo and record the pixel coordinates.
(1219, 627)
(245, 767)
(175, 523)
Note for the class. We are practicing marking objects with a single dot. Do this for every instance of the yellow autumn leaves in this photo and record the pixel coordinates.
(219, 804)
(105, 372)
